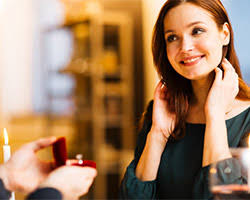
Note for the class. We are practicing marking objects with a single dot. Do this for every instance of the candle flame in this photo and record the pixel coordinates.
(5, 135)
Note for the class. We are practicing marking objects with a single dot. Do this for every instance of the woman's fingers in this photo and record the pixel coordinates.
(229, 71)
(227, 65)
(224, 89)
(218, 76)
(230, 76)
(160, 91)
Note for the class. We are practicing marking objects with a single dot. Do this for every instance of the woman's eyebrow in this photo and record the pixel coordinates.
(168, 31)
(189, 25)
(194, 23)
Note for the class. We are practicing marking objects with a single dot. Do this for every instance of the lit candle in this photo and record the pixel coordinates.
(6, 146)
(6, 154)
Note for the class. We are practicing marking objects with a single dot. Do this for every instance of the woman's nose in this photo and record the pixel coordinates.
(187, 44)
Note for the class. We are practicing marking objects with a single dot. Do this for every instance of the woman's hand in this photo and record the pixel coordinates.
(163, 121)
(24, 171)
(223, 91)
(219, 100)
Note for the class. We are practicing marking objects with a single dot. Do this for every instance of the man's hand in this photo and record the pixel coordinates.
(24, 171)
(71, 181)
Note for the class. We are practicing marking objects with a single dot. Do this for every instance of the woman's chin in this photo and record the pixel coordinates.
(196, 77)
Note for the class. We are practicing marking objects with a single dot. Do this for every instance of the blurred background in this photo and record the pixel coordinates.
(83, 69)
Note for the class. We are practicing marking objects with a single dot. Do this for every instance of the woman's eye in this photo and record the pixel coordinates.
(197, 31)
(171, 38)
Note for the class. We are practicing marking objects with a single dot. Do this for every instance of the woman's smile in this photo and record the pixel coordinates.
(191, 60)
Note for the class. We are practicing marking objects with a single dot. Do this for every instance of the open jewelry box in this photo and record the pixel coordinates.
(60, 155)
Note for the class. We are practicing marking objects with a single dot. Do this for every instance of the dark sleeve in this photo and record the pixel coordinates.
(131, 186)
(45, 193)
(229, 171)
(4, 194)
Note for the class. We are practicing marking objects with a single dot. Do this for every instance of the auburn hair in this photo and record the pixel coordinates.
(179, 88)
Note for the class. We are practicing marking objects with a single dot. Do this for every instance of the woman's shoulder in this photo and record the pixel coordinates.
(238, 107)
(239, 122)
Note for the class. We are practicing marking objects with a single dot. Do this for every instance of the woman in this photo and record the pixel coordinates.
(200, 109)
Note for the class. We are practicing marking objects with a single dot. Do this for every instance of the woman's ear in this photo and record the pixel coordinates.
(225, 34)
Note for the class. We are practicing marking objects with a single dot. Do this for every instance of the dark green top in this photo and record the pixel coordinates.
(180, 174)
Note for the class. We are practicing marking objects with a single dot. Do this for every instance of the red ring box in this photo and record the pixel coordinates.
(60, 155)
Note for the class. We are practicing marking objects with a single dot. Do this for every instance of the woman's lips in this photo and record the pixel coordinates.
(191, 60)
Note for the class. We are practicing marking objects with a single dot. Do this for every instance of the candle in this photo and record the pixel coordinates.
(6, 154)
(6, 146)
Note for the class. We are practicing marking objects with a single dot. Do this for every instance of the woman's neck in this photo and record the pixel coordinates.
(201, 89)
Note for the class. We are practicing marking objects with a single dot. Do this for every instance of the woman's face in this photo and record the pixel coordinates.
(193, 41)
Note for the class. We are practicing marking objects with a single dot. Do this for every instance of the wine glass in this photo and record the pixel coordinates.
(230, 178)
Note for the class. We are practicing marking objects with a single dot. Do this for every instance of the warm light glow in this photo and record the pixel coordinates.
(5, 135)
(213, 170)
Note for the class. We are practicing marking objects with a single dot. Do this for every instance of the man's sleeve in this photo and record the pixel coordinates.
(4, 194)
(45, 193)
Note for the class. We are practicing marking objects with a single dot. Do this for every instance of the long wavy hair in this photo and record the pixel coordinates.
(179, 88)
